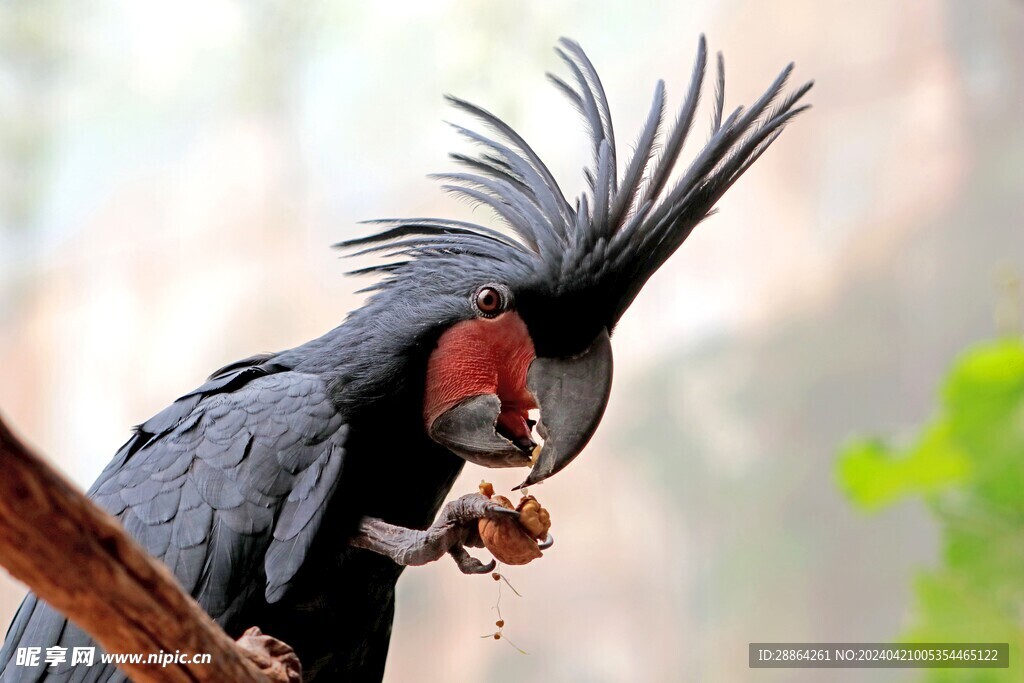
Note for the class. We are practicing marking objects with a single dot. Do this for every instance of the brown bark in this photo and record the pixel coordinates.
(78, 558)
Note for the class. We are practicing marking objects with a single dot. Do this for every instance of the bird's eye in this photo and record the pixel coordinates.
(489, 301)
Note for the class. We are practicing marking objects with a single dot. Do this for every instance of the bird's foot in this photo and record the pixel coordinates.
(275, 659)
(454, 530)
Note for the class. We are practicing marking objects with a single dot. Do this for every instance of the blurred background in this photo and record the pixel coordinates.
(172, 175)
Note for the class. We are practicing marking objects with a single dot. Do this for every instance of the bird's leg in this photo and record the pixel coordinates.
(453, 530)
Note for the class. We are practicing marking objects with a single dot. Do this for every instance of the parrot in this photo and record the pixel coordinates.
(291, 489)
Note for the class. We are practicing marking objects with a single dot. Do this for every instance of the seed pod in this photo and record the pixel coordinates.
(507, 540)
(535, 519)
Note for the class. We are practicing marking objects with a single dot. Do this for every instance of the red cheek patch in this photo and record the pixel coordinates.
(482, 356)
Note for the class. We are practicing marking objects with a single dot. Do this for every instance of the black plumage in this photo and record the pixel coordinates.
(248, 487)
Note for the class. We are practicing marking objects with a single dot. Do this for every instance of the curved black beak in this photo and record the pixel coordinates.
(572, 394)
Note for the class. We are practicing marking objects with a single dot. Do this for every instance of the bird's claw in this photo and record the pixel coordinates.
(498, 511)
(277, 660)
(471, 507)
(469, 564)
(454, 529)
(546, 542)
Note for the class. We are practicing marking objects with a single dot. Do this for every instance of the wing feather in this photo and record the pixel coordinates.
(227, 487)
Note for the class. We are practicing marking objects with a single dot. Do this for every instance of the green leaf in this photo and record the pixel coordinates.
(969, 464)
(873, 475)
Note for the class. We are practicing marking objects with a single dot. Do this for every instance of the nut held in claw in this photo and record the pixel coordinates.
(535, 519)
(510, 541)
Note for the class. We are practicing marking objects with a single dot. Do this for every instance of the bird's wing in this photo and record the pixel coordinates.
(227, 485)
(243, 479)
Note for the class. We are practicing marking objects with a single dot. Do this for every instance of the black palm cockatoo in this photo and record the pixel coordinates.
(291, 488)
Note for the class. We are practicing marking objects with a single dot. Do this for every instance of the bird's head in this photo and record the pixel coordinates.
(519, 319)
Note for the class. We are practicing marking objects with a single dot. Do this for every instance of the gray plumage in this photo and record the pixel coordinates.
(227, 487)
(625, 227)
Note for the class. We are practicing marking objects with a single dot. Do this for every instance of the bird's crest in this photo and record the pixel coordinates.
(616, 234)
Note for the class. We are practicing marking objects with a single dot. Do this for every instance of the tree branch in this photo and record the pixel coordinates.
(80, 560)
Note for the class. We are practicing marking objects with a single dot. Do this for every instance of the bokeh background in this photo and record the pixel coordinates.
(172, 175)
